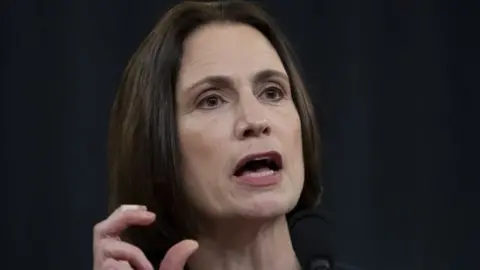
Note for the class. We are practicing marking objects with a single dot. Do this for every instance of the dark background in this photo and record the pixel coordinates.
(395, 84)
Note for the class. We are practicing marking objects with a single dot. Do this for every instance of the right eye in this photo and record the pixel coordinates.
(211, 102)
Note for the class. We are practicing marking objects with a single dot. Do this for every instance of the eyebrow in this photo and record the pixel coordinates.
(221, 79)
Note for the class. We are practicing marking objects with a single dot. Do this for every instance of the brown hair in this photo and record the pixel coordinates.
(144, 156)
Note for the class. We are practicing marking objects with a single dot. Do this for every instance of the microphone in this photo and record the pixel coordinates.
(311, 240)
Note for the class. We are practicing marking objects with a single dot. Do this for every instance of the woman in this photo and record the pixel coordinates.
(212, 146)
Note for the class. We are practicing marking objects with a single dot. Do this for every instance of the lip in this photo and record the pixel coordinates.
(274, 155)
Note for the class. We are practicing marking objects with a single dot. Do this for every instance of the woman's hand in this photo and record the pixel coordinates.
(111, 253)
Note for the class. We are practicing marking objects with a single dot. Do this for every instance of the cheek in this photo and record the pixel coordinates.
(290, 130)
(204, 156)
(297, 148)
(290, 134)
(296, 130)
(201, 141)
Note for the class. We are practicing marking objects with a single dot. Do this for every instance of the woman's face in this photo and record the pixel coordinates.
(235, 108)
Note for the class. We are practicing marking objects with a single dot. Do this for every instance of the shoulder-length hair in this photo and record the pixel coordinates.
(144, 155)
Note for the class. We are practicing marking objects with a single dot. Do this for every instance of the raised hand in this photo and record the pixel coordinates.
(111, 253)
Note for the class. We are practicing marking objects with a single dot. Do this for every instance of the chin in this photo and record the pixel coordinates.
(266, 206)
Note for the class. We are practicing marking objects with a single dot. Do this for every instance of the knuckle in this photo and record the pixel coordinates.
(136, 251)
(102, 248)
(105, 247)
(104, 242)
(98, 228)
(109, 264)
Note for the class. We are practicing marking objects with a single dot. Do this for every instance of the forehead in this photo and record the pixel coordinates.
(233, 50)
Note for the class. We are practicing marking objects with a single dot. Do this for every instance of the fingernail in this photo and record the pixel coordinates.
(149, 214)
(194, 244)
(126, 207)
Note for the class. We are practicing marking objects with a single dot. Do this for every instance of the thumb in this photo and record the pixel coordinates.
(177, 256)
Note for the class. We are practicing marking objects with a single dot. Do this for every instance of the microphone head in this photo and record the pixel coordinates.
(311, 241)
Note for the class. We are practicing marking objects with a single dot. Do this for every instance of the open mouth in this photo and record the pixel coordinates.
(261, 162)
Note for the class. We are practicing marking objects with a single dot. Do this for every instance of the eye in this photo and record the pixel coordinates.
(272, 93)
(210, 102)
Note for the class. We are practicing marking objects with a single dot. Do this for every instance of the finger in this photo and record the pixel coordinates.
(177, 256)
(111, 264)
(122, 251)
(123, 217)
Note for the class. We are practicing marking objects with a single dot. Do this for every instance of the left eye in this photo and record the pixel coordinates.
(272, 94)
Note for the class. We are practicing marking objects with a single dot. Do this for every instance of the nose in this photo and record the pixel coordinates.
(252, 124)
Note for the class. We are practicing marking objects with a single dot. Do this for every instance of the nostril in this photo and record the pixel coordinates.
(254, 129)
(254, 132)
(266, 130)
(248, 133)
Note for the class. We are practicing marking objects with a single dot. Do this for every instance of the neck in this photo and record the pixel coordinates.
(245, 245)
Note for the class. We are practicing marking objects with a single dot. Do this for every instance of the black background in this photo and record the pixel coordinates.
(395, 84)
